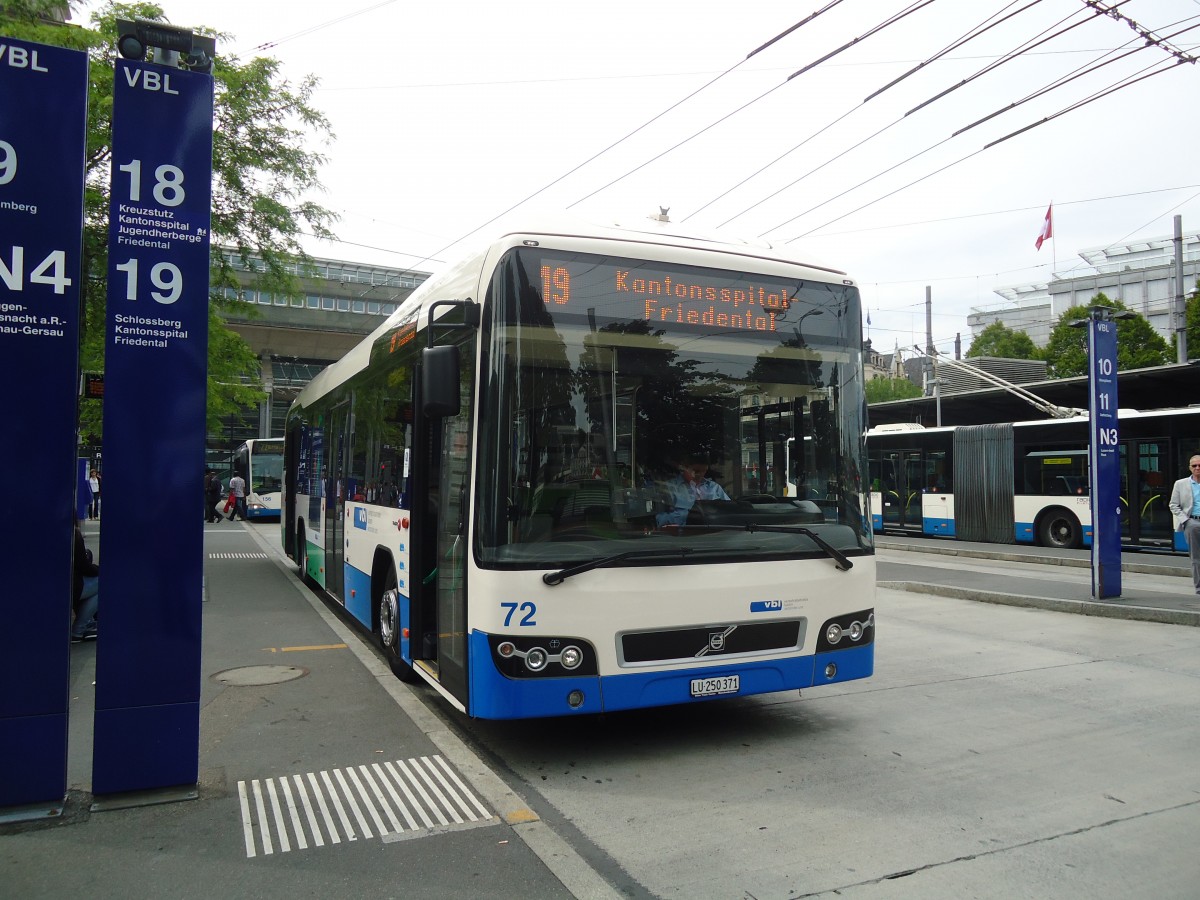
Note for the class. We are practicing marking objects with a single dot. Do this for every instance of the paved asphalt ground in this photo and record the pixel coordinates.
(321, 775)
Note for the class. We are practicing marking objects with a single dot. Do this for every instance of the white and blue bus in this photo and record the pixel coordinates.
(1027, 482)
(489, 482)
(260, 463)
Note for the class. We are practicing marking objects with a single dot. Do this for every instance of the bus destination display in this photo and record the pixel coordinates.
(683, 298)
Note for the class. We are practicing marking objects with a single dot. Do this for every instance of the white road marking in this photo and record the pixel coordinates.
(402, 792)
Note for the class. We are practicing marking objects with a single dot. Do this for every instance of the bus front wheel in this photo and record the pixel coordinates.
(389, 631)
(1060, 529)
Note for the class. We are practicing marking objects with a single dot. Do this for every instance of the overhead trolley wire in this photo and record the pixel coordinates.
(954, 45)
(1087, 70)
(306, 31)
(828, 6)
(1013, 54)
(973, 33)
(1097, 96)
(919, 4)
(1024, 48)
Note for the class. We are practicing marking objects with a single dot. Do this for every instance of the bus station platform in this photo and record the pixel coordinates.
(1155, 586)
(320, 774)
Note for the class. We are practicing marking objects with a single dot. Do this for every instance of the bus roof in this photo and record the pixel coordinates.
(463, 279)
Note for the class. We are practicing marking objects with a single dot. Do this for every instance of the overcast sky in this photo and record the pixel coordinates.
(449, 114)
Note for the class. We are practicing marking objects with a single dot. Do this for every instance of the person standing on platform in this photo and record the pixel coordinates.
(94, 484)
(1185, 506)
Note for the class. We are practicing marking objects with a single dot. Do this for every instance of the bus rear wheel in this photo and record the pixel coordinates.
(1060, 529)
(389, 631)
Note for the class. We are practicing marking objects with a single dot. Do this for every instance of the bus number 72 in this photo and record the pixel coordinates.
(529, 609)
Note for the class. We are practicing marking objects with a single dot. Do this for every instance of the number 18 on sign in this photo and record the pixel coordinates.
(156, 353)
(1104, 455)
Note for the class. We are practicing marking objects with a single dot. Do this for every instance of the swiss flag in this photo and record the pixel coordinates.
(1047, 228)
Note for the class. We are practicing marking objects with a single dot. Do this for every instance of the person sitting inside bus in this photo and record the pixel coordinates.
(691, 484)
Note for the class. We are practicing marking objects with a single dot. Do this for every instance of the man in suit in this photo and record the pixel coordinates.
(1185, 506)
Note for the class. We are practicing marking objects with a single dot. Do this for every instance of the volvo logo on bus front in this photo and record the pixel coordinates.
(716, 641)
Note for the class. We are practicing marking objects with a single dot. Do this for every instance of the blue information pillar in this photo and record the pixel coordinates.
(1104, 456)
(43, 118)
(147, 724)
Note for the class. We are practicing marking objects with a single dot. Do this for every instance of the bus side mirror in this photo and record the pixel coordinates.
(440, 388)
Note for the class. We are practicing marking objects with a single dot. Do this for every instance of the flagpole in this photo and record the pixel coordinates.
(1053, 251)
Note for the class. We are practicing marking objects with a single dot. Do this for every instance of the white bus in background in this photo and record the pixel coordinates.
(260, 463)
(1027, 482)
(487, 483)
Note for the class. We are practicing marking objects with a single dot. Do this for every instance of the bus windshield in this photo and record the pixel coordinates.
(637, 405)
(266, 467)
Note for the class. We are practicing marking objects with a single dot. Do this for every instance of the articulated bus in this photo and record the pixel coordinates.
(1027, 482)
(491, 482)
(260, 463)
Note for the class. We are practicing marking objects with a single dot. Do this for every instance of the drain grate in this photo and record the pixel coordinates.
(392, 801)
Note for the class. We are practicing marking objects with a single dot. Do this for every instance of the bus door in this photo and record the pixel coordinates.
(337, 436)
(1145, 492)
(446, 470)
(901, 481)
(287, 506)
(776, 452)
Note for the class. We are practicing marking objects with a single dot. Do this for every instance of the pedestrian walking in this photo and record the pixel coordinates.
(212, 496)
(1185, 506)
(237, 487)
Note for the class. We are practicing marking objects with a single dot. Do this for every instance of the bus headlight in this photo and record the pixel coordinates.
(542, 656)
(571, 657)
(859, 627)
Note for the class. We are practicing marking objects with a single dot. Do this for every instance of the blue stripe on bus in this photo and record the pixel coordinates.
(357, 594)
(495, 696)
(944, 527)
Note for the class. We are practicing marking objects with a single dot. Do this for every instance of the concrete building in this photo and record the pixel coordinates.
(1141, 274)
(295, 338)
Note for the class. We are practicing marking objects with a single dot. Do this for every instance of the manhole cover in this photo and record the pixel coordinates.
(247, 676)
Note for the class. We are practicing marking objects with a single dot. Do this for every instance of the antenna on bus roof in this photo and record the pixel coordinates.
(662, 215)
(1051, 409)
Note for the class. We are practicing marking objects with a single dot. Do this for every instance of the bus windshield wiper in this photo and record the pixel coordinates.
(833, 552)
(553, 578)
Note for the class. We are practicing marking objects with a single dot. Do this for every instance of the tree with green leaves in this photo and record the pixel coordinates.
(999, 340)
(1139, 346)
(263, 178)
(1191, 322)
(880, 390)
